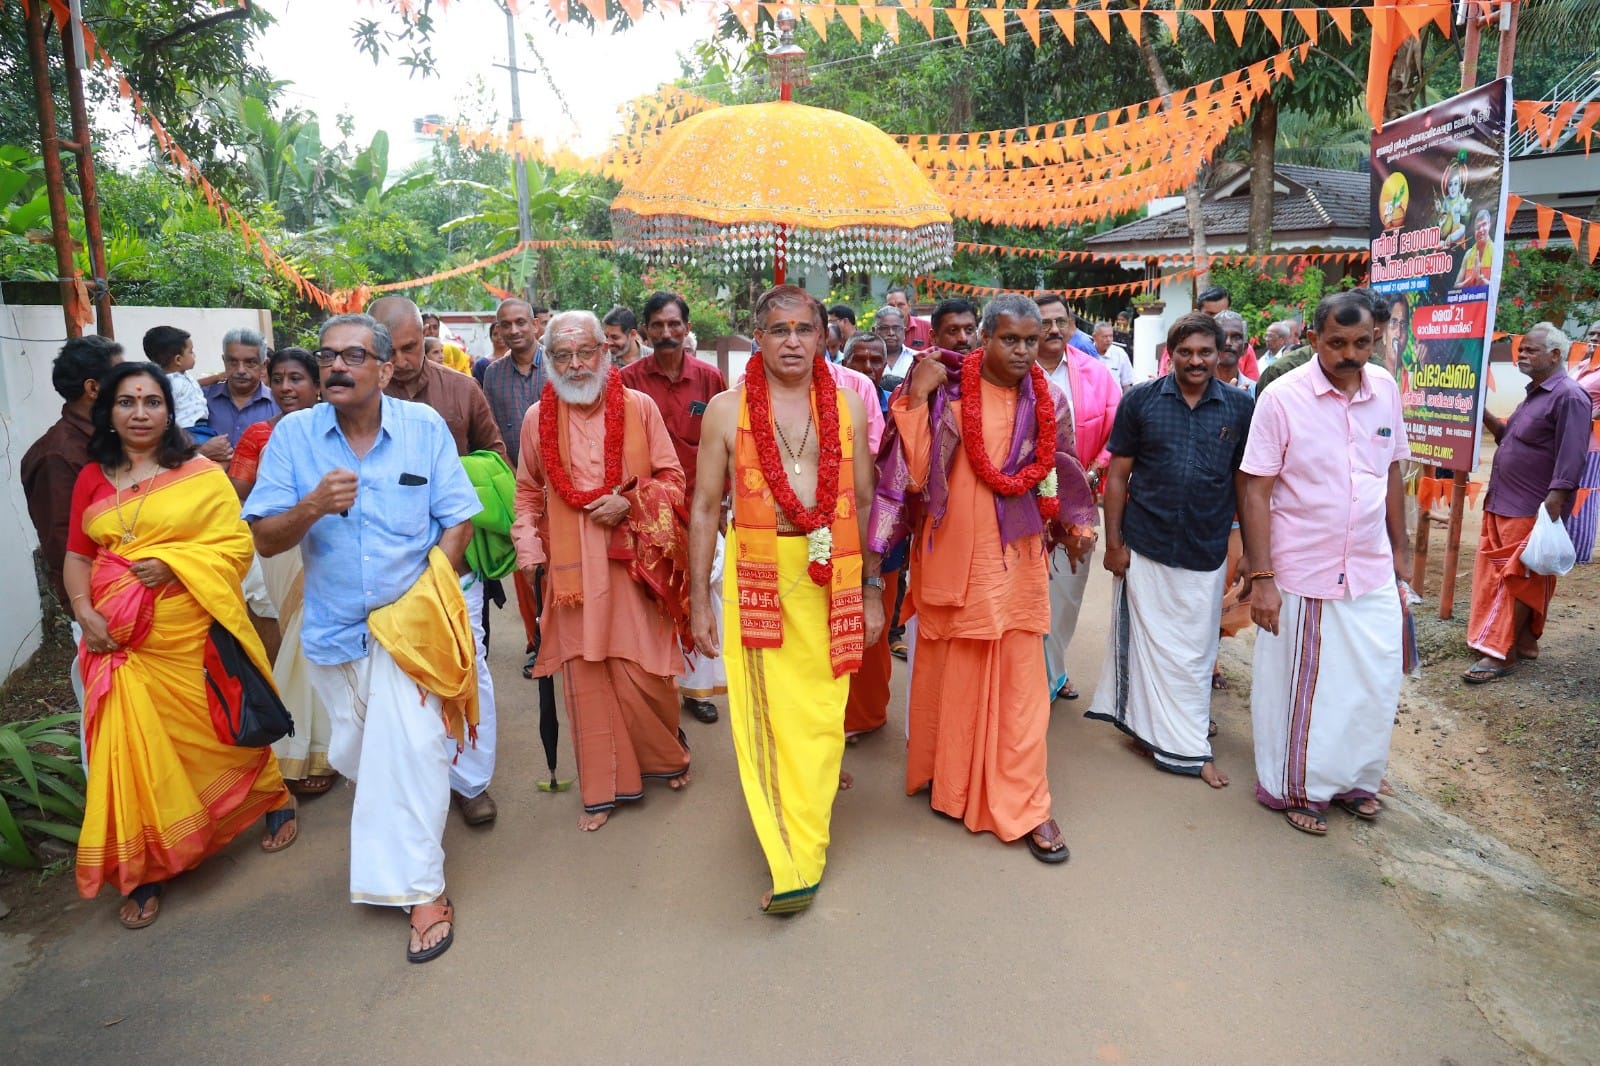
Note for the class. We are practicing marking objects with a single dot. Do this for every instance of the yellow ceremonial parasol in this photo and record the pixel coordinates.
(788, 182)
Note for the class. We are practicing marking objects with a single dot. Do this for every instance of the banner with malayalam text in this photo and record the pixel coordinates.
(1438, 204)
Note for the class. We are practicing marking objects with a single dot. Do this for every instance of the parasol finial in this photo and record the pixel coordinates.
(786, 62)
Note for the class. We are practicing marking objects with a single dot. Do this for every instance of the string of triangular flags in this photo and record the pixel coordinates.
(1548, 120)
(1409, 17)
(1058, 256)
(1584, 233)
(931, 286)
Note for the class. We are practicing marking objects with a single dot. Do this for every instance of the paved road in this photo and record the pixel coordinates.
(1189, 926)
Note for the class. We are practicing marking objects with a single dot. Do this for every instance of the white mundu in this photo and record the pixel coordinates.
(1322, 698)
(1156, 682)
(392, 743)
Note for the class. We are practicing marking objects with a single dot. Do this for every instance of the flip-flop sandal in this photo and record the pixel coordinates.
(431, 915)
(144, 895)
(276, 820)
(315, 785)
(1352, 807)
(898, 649)
(1069, 691)
(1484, 675)
(1321, 828)
(1052, 833)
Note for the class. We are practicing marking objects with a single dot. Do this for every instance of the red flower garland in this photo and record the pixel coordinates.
(1044, 413)
(550, 446)
(772, 468)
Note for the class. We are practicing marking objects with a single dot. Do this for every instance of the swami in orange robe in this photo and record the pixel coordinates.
(613, 647)
(979, 706)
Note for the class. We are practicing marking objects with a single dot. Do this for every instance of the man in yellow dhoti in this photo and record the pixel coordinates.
(599, 489)
(795, 620)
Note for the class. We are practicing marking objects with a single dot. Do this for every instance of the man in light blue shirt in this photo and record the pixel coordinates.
(367, 485)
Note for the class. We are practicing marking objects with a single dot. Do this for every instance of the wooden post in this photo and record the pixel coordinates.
(50, 152)
(1452, 546)
(83, 147)
(1419, 550)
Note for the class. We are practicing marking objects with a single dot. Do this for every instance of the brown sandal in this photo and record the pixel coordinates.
(1048, 851)
(424, 916)
(314, 785)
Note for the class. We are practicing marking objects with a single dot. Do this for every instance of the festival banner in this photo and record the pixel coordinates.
(1438, 204)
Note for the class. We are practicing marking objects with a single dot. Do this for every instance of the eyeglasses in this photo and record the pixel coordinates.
(886, 328)
(805, 331)
(1047, 323)
(582, 355)
(352, 356)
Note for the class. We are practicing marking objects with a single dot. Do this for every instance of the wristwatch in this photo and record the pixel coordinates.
(872, 582)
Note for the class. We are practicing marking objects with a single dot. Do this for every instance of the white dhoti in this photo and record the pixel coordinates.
(1156, 682)
(707, 676)
(256, 594)
(305, 754)
(1066, 600)
(1323, 697)
(391, 744)
(471, 770)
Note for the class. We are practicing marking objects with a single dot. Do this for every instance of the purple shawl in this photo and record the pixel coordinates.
(897, 509)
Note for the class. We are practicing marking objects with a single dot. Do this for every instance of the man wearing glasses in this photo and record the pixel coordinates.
(598, 491)
(681, 384)
(793, 442)
(369, 486)
(242, 399)
(889, 325)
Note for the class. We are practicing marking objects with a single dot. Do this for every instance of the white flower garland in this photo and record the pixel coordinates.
(1047, 486)
(819, 545)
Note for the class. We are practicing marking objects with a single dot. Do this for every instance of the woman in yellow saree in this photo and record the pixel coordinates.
(155, 553)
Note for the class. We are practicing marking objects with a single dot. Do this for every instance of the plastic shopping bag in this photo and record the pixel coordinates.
(1549, 549)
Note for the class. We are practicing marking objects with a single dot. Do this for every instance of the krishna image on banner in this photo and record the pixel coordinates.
(1439, 196)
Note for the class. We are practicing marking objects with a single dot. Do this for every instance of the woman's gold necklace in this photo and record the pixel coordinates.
(127, 527)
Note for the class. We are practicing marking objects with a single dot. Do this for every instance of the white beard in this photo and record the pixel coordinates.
(586, 393)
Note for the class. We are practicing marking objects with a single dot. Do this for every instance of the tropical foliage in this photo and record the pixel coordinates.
(41, 786)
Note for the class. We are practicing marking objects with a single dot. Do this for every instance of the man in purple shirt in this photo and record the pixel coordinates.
(1537, 463)
(242, 398)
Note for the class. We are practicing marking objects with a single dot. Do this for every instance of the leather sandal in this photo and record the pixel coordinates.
(424, 916)
(1048, 852)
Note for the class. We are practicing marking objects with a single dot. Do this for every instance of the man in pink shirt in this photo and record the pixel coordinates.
(1094, 394)
(1325, 545)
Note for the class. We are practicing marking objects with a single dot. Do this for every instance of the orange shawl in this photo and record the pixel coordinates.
(756, 570)
(653, 540)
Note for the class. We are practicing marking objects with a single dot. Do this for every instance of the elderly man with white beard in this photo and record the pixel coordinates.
(599, 488)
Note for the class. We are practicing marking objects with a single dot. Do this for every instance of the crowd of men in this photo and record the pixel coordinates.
(925, 489)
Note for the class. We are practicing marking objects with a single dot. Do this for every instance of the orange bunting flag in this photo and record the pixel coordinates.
(1101, 20)
(996, 18)
(1133, 19)
(1235, 20)
(1030, 22)
(1307, 17)
(1207, 20)
(1546, 217)
(1067, 19)
(1594, 248)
